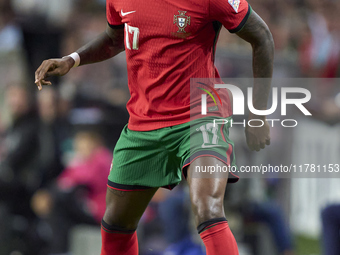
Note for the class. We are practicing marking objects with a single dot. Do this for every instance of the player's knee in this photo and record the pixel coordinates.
(113, 219)
(207, 208)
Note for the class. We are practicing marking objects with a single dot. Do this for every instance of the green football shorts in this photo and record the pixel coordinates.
(159, 158)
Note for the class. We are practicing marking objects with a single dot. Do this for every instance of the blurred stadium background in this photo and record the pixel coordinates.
(48, 207)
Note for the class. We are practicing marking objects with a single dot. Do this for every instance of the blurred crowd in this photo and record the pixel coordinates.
(55, 145)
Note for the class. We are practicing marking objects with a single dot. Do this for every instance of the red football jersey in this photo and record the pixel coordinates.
(167, 42)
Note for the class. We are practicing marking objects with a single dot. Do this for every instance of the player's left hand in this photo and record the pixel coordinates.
(258, 137)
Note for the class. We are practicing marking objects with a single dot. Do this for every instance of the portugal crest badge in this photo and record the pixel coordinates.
(182, 21)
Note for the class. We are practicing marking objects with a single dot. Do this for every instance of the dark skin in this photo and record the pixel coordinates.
(105, 46)
(258, 35)
(124, 209)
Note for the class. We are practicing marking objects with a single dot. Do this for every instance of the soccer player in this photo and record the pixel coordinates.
(166, 44)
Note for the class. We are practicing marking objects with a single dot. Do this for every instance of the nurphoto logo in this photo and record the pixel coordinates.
(239, 103)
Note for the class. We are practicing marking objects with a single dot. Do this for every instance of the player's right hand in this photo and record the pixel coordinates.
(52, 67)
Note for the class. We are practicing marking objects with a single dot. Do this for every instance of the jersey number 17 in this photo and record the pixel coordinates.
(135, 38)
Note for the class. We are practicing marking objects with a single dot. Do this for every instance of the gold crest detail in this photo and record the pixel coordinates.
(182, 21)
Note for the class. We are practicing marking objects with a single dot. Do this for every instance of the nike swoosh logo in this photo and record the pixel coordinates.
(126, 13)
(210, 146)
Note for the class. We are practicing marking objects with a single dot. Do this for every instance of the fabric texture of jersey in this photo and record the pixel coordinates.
(167, 43)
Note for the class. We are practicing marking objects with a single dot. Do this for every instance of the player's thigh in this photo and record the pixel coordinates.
(206, 194)
(125, 208)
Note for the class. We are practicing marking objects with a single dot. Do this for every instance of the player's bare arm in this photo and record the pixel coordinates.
(105, 46)
(257, 33)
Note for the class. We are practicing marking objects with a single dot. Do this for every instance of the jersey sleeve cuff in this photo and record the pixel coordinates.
(243, 22)
(115, 26)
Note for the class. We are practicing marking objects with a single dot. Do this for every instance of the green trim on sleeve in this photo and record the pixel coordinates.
(243, 22)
